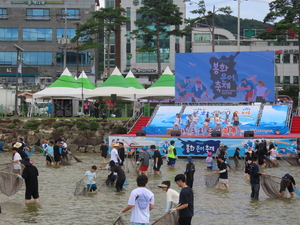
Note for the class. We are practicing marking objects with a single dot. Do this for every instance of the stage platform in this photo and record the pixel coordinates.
(200, 145)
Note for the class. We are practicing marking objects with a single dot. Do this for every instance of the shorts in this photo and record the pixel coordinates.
(56, 158)
(182, 93)
(104, 154)
(172, 162)
(48, 158)
(273, 157)
(236, 123)
(156, 168)
(143, 168)
(285, 184)
(248, 95)
(133, 223)
(209, 167)
(223, 181)
(34, 192)
(92, 188)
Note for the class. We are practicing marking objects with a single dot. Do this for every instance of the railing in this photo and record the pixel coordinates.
(137, 113)
(133, 118)
(260, 112)
(289, 115)
(154, 113)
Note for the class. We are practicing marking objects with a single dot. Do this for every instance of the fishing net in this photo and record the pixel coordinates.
(119, 221)
(271, 185)
(63, 162)
(170, 218)
(10, 184)
(239, 164)
(81, 187)
(270, 164)
(293, 161)
(76, 158)
(211, 179)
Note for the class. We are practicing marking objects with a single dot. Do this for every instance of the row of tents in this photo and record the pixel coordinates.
(128, 88)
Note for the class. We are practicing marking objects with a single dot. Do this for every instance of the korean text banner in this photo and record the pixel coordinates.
(225, 77)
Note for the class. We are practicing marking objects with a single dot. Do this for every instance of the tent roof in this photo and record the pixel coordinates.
(85, 81)
(167, 79)
(65, 80)
(130, 78)
(115, 84)
(115, 80)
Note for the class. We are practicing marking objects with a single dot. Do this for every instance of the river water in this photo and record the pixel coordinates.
(212, 206)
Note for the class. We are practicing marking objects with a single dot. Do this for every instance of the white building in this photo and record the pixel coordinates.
(125, 54)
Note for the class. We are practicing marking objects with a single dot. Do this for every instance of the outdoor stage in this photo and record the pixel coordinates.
(194, 145)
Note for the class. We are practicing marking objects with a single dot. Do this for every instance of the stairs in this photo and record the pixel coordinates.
(142, 122)
(295, 129)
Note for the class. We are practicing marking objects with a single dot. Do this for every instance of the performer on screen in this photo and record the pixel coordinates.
(217, 121)
(249, 88)
(199, 91)
(206, 124)
(261, 91)
(236, 122)
(184, 87)
(194, 122)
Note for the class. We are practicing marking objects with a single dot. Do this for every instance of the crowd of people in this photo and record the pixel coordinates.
(141, 200)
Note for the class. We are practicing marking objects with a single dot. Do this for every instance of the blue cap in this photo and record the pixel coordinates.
(144, 148)
(189, 159)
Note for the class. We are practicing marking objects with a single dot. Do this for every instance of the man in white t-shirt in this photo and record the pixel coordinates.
(114, 155)
(141, 201)
(16, 158)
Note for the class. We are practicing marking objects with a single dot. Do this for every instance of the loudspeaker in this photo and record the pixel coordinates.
(248, 134)
(113, 98)
(216, 133)
(175, 133)
(140, 133)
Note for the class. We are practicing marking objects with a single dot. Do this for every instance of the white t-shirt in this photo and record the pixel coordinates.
(172, 196)
(261, 90)
(17, 156)
(177, 120)
(114, 155)
(90, 176)
(141, 198)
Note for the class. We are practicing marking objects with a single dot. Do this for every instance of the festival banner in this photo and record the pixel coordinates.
(225, 77)
(200, 147)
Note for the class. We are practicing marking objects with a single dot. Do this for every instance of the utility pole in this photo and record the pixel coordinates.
(19, 58)
(65, 37)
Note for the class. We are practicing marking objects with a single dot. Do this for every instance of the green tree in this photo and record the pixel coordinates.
(286, 17)
(155, 18)
(104, 22)
(208, 17)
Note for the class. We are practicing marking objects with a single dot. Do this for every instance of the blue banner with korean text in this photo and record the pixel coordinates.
(225, 77)
(201, 146)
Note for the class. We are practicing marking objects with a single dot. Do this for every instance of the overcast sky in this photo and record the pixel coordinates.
(250, 9)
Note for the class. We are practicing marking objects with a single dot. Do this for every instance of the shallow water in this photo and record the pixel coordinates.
(212, 206)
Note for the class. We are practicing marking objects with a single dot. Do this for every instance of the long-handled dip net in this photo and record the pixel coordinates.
(239, 164)
(119, 221)
(211, 179)
(169, 218)
(63, 162)
(293, 161)
(270, 164)
(271, 185)
(10, 184)
(81, 187)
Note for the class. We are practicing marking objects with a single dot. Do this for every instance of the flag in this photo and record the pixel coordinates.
(20, 68)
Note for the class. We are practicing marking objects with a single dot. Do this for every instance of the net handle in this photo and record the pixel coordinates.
(276, 177)
(211, 173)
(165, 214)
(9, 173)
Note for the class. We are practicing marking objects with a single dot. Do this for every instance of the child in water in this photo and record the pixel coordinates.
(91, 177)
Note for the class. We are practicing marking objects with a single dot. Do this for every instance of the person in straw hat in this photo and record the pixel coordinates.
(114, 155)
